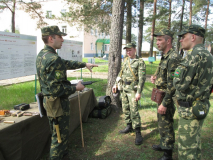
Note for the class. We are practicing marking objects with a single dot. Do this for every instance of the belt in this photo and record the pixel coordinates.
(186, 104)
(127, 83)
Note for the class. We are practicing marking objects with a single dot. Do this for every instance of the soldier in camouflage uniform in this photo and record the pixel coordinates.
(163, 79)
(193, 81)
(131, 78)
(51, 70)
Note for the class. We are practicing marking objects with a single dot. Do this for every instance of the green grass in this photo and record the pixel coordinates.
(101, 138)
(103, 66)
(16, 94)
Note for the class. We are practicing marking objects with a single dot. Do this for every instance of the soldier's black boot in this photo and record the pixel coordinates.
(127, 129)
(167, 155)
(157, 147)
(139, 138)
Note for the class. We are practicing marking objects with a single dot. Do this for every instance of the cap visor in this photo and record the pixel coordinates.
(181, 34)
(126, 47)
(62, 34)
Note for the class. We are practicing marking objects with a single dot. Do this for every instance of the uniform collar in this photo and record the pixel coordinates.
(50, 49)
(168, 53)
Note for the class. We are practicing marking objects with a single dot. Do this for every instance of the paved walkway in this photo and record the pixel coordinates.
(70, 73)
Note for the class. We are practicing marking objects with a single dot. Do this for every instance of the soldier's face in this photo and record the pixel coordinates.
(57, 42)
(161, 43)
(186, 41)
(131, 52)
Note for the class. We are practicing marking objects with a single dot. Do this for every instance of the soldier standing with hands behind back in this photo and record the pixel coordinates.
(131, 79)
(51, 70)
(193, 81)
(163, 79)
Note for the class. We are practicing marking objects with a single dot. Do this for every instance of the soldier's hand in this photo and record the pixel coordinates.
(153, 79)
(79, 86)
(137, 97)
(162, 109)
(90, 66)
(114, 89)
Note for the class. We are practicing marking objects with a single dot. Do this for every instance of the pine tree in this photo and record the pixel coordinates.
(115, 47)
(33, 8)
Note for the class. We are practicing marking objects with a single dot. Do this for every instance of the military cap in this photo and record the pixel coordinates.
(194, 29)
(164, 32)
(52, 30)
(130, 45)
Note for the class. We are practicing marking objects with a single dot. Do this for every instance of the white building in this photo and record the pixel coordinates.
(28, 26)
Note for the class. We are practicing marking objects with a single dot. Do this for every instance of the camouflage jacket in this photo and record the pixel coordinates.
(138, 67)
(51, 70)
(165, 75)
(194, 76)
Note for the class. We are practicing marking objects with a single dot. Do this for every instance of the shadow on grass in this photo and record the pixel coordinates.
(103, 142)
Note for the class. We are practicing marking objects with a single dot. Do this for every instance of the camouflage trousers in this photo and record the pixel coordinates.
(165, 127)
(189, 135)
(58, 150)
(130, 108)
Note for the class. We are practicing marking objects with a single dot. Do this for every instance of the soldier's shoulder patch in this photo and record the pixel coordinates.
(177, 73)
(172, 74)
(58, 74)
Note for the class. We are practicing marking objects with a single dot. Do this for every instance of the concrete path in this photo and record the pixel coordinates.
(70, 73)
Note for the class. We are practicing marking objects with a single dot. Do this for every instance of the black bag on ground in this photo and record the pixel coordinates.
(103, 102)
(101, 113)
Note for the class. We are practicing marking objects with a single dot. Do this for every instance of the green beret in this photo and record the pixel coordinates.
(130, 45)
(194, 29)
(51, 30)
(164, 32)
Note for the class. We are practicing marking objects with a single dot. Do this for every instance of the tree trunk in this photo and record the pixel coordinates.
(181, 23)
(129, 21)
(116, 32)
(170, 12)
(153, 29)
(190, 17)
(13, 17)
(207, 14)
(140, 26)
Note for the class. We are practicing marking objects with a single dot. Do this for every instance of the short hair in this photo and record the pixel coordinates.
(166, 37)
(45, 38)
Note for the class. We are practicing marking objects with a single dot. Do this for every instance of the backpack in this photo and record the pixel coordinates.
(103, 102)
(103, 108)
(101, 113)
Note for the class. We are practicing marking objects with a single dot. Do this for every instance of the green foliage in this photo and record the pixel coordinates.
(32, 8)
(134, 38)
(89, 14)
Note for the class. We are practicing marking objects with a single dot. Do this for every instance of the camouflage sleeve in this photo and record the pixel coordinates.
(56, 79)
(141, 76)
(73, 64)
(184, 74)
(170, 90)
(116, 83)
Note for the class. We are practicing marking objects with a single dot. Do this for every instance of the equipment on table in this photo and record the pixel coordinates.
(22, 106)
(4, 112)
(83, 83)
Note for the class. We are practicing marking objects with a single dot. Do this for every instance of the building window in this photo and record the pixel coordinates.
(91, 45)
(64, 29)
(49, 14)
(96, 32)
(63, 11)
(91, 32)
(106, 47)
